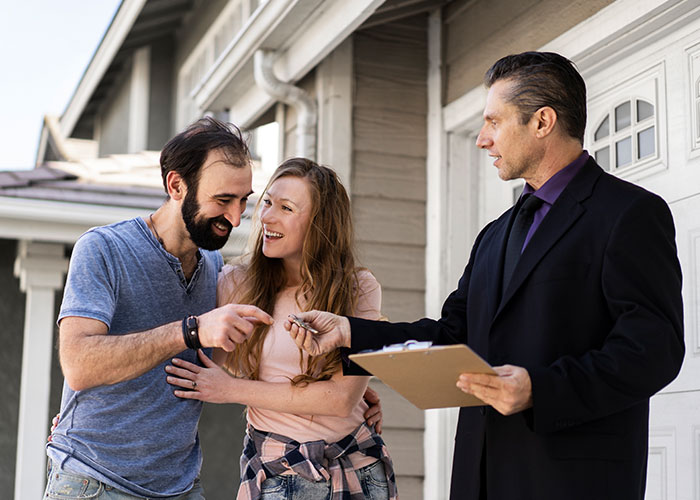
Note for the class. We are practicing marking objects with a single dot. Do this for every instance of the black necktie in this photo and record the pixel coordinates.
(517, 235)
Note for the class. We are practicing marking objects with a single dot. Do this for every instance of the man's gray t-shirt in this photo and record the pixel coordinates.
(134, 435)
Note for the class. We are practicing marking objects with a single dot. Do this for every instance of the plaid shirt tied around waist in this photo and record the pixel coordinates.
(308, 459)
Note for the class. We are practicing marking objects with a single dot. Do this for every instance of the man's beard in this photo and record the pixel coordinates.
(199, 228)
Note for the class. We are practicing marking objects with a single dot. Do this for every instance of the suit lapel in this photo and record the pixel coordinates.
(561, 217)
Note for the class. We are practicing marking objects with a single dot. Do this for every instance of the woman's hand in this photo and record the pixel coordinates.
(373, 415)
(54, 424)
(208, 383)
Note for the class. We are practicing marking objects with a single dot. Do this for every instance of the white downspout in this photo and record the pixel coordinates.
(293, 96)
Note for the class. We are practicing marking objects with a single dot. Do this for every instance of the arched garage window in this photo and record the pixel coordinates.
(626, 135)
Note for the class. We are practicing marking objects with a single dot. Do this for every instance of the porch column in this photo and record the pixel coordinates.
(334, 82)
(40, 268)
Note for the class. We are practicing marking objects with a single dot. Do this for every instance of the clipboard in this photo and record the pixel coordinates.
(425, 375)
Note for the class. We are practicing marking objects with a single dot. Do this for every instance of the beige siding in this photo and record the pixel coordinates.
(383, 220)
(394, 265)
(477, 33)
(388, 195)
(396, 303)
(380, 175)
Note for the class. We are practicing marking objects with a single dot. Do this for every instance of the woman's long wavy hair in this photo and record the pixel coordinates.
(328, 272)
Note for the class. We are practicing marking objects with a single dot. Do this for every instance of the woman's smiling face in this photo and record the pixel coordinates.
(285, 214)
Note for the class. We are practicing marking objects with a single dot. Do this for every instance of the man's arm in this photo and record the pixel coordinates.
(358, 334)
(90, 357)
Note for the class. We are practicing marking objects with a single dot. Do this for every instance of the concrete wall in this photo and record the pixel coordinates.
(477, 33)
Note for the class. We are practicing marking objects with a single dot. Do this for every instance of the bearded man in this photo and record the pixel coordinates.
(138, 293)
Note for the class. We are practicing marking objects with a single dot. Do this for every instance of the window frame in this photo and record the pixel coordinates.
(608, 91)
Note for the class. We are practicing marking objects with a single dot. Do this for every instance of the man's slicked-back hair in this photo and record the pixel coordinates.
(186, 152)
(541, 79)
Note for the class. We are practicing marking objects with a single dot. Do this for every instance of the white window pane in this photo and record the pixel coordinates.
(603, 129)
(623, 152)
(644, 110)
(623, 117)
(645, 143)
(602, 157)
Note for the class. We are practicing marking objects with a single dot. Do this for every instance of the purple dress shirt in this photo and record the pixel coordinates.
(551, 190)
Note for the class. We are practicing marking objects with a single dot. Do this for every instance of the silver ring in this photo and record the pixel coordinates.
(194, 384)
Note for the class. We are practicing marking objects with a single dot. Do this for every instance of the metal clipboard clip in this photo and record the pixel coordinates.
(409, 345)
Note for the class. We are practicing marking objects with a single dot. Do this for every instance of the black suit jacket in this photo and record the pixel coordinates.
(593, 311)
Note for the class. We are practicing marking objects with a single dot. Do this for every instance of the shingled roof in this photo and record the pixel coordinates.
(52, 184)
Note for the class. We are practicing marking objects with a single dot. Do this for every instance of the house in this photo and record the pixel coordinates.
(389, 93)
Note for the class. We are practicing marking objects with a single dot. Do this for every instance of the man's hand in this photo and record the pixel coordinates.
(508, 392)
(373, 415)
(230, 324)
(333, 332)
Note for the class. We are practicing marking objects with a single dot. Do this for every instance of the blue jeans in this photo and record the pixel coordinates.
(293, 487)
(62, 485)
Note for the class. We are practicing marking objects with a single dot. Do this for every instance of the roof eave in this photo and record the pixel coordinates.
(112, 40)
(315, 34)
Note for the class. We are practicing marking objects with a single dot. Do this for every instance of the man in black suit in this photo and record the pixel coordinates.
(574, 295)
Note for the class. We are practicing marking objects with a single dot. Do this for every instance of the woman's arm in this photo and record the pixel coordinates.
(335, 397)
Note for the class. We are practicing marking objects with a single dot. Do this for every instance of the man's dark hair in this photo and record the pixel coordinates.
(186, 152)
(544, 79)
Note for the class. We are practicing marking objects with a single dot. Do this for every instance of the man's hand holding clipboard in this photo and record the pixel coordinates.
(509, 392)
(506, 388)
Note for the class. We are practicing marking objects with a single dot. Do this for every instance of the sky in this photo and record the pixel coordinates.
(45, 46)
